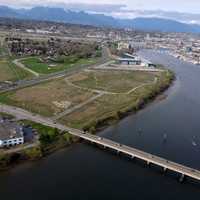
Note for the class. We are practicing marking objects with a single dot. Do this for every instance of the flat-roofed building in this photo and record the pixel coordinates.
(129, 61)
(11, 133)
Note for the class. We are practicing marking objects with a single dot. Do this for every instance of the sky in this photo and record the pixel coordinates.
(187, 11)
(191, 6)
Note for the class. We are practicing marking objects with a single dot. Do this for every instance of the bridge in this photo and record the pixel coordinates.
(106, 143)
(135, 153)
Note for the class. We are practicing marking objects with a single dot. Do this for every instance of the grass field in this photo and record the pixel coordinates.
(1, 45)
(103, 107)
(35, 64)
(10, 72)
(108, 108)
(47, 99)
(53, 97)
(112, 81)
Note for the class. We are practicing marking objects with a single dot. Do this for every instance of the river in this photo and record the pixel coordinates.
(84, 172)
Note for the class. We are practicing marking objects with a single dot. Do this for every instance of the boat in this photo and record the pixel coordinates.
(194, 143)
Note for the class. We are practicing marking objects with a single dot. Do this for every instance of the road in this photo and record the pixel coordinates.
(27, 83)
(149, 158)
(127, 68)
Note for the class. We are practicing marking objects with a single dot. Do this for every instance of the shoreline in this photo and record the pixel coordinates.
(102, 124)
(37, 153)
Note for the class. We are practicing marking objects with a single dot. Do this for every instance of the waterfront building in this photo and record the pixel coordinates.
(11, 133)
(129, 61)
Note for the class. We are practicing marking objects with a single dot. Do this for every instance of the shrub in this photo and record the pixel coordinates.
(33, 153)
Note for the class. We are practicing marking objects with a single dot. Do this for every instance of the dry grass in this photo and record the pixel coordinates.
(112, 81)
(55, 96)
(106, 106)
(5, 71)
(41, 98)
(10, 72)
(109, 106)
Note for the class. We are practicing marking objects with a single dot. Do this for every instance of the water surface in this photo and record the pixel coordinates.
(84, 172)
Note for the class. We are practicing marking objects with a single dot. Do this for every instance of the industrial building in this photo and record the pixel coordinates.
(129, 59)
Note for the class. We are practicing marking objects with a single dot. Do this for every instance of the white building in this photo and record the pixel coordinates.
(123, 45)
(11, 134)
(135, 60)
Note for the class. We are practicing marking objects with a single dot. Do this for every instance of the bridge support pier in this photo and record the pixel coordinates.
(148, 163)
(181, 179)
(164, 169)
(132, 157)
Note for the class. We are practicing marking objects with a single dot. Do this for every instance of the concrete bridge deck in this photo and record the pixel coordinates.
(135, 153)
(130, 151)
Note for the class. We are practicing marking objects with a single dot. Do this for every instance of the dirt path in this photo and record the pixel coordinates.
(142, 85)
(18, 63)
(110, 93)
(77, 107)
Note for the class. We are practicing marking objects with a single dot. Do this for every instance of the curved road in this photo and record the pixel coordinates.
(27, 83)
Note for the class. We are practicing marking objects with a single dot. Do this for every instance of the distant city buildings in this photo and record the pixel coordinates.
(123, 45)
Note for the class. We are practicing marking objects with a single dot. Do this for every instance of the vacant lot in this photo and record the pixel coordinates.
(112, 81)
(10, 72)
(111, 107)
(41, 67)
(101, 108)
(124, 92)
(47, 99)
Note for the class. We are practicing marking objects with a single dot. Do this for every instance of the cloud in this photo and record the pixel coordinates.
(95, 7)
(112, 5)
(122, 8)
(107, 6)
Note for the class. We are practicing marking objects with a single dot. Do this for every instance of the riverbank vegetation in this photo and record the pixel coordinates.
(122, 92)
(109, 109)
(102, 112)
(49, 140)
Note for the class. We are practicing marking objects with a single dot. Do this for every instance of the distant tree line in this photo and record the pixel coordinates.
(53, 47)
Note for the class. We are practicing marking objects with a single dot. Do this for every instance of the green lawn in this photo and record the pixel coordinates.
(35, 64)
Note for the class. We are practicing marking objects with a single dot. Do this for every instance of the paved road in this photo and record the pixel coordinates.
(27, 83)
(149, 158)
(127, 68)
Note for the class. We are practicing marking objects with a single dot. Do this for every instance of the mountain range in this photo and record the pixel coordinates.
(81, 17)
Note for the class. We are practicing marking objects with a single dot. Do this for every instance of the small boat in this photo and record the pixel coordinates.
(165, 137)
(194, 143)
